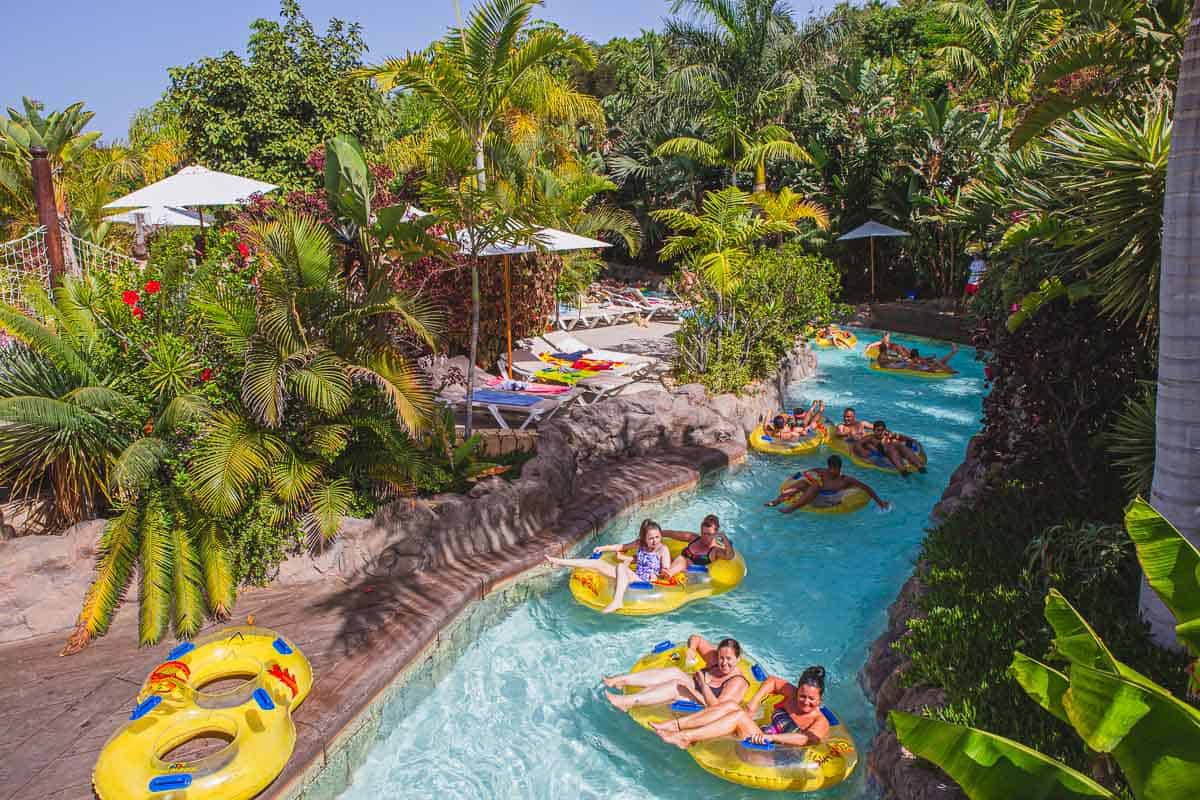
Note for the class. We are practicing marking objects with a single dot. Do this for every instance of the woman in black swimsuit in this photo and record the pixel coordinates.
(719, 681)
(709, 546)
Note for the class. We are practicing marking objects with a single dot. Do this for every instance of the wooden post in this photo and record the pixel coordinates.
(43, 195)
(508, 315)
(872, 241)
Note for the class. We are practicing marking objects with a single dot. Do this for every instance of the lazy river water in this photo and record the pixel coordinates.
(521, 714)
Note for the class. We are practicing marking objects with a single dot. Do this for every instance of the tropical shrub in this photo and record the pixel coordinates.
(780, 293)
(261, 116)
(1118, 712)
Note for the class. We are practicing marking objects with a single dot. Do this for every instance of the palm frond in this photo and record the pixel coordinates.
(188, 588)
(229, 461)
(136, 466)
(322, 383)
(330, 502)
(156, 559)
(219, 586)
(116, 556)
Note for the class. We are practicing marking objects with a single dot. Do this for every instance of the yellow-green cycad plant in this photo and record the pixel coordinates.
(789, 206)
(1153, 736)
(717, 242)
(324, 376)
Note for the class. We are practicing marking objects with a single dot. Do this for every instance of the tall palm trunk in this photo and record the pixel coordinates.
(1176, 488)
(760, 177)
(474, 344)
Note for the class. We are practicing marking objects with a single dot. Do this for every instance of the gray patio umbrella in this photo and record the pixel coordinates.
(869, 230)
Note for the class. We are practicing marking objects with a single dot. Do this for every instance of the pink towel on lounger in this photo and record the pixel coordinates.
(525, 386)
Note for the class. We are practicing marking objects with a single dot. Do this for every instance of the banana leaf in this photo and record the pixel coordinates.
(1076, 642)
(1044, 684)
(1154, 737)
(990, 767)
(1172, 567)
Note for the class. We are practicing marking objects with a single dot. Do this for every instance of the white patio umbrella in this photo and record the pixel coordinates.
(195, 186)
(160, 217)
(869, 230)
(551, 239)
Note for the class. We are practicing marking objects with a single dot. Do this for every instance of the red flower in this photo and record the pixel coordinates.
(152, 287)
(205, 374)
(243, 250)
(137, 312)
(989, 372)
(130, 297)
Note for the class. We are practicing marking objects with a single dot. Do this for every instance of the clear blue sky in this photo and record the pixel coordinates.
(114, 54)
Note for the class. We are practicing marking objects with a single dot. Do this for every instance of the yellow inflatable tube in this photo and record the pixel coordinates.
(761, 441)
(772, 766)
(878, 461)
(826, 502)
(845, 337)
(644, 599)
(928, 374)
(175, 706)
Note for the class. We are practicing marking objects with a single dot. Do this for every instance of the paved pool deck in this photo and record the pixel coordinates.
(57, 712)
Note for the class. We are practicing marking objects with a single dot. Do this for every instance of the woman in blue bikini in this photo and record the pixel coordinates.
(796, 721)
(648, 563)
(719, 681)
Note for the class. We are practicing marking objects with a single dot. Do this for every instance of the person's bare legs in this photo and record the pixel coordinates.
(662, 693)
(647, 677)
(787, 493)
(697, 720)
(594, 564)
(805, 498)
(894, 456)
(678, 565)
(624, 577)
(739, 722)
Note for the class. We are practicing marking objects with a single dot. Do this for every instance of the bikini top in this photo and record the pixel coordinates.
(716, 690)
(703, 559)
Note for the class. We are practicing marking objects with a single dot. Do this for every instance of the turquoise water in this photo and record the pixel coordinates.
(521, 712)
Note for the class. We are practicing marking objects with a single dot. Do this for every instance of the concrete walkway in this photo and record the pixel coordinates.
(56, 713)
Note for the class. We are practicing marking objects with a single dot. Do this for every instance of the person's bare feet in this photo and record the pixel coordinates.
(667, 726)
(622, 702)
(680, 740)
(552, 561)
(610, 608)
(612, 682)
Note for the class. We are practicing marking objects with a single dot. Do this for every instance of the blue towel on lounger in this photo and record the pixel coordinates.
(572, 356)
(504, 398)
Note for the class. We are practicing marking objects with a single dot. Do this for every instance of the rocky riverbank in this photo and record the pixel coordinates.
(897, 773)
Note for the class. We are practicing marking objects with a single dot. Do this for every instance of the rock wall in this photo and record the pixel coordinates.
(43, 578)
(898, 774)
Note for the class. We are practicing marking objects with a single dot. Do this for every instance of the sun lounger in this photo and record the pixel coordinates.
(592, 387)
(645, 307)
(634, 364)
(531, 409)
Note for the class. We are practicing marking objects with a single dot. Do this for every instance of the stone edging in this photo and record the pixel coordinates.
(897, 773)
(331, 769)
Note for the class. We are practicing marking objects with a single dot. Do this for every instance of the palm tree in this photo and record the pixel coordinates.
(734, 141)
(997, 48)
(744, 61)
(477, 75)
(716, 242)
(791, 207)
(59, 422)
(60, 132)
(1175, 491)
(1112, 50)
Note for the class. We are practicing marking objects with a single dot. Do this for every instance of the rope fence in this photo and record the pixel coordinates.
(27, 257)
